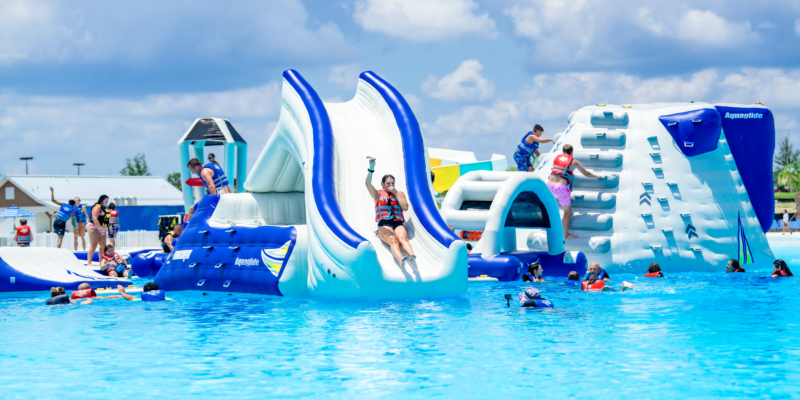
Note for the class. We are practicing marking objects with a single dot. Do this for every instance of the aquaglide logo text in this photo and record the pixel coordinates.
(252, 262)
(743, 115)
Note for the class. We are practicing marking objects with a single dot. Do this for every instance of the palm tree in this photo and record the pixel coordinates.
(789, 176)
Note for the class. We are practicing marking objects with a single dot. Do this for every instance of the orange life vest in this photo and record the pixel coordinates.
(657, 274)
(561, 167)
(23, 234)
(595, 286)
(472, 236)
(113, 218)
(388, 208)
(83, 294)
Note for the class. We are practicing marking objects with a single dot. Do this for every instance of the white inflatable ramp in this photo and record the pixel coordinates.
(27, 269)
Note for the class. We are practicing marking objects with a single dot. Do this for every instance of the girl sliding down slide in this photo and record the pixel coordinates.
(389, 206)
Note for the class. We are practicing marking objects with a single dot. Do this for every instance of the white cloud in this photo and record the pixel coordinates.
(36, 30)
(150, 125)
(465, 83)
(526, 21)
(345, 75)
(423, 20)
(797, 26)
(709, 28)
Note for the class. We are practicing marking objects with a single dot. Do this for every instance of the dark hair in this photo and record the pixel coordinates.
(734, 263)
(537, 127)
(526, 278)
(433, 176)
(105, 249)
(533, 267)
(654, 267)
(573, 276)
(194, 162)
(781, 265)
(71, 202)
(23, 221)
(469, 247)
(211, 155)
(387, 176)
(591, 281)
(112, 205)
(149, 286)
(567, 149)
(100, 200)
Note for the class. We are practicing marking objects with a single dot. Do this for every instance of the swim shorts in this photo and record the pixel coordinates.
(391, 224)
(23, 245)
(523, 161)
(59, 227)
(562, 193)
(112, 231)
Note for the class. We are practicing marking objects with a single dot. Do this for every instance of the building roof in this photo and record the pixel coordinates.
(148, 190)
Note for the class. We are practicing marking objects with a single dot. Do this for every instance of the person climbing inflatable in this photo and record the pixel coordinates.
(560, 183)
(212, 175)
(528, 149)
(389, 206)
(780, 269)
(654, 271)
(171, 239)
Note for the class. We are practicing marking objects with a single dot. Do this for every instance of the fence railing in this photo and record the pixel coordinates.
(123, 239)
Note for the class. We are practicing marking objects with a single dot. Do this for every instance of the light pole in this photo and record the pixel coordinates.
(79, 164)
(26, 163)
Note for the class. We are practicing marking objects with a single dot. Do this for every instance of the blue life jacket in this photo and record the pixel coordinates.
(526, 148)
(600, 276)
(538, 303)
(572, 283)
(154, 295)
(530, 276)
(80, 214)
(64, 212)
(219, 178)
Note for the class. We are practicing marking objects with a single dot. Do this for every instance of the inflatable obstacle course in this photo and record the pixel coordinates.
(24, 269)
(449, 165)
(684, 184)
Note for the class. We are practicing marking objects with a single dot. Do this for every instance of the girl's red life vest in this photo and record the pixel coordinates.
(116, 259)
(23, 234)
(656, 274)
(113, 218)
(388, 208)
(561, 167)
(784, 273)
(83, 294)
(595, 286)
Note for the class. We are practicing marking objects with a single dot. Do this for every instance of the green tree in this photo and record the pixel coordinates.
(135, 167)
(786, 154)
(174, 179)
(789, 176)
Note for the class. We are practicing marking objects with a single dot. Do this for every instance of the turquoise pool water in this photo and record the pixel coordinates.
(690, 335)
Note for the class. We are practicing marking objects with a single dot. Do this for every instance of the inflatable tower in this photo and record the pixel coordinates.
(687, 185)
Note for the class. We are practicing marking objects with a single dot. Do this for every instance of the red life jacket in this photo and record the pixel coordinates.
(83, 294)
(784, 273)
(595, 286)
(388, 208)
(471, 235)
(113, 218)
(740, 269)
(657, 274)
(561, 167)
(115, 258)
(23, 234)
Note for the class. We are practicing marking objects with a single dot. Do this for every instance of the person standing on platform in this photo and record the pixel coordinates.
(212, 175)
(113, 223)
(528, 149)
(61, 218)
(79, 224)
(23, 235)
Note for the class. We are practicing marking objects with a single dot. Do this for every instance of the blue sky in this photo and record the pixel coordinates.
(97, 82)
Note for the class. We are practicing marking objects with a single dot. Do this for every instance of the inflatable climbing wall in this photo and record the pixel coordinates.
(687, 185)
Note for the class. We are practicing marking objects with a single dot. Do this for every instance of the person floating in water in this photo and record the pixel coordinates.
(780, 269)
(532, 298)
(534, 273)
(597, 278)
(389, 206)
(654, 271)
(560, 183)
(150, 292)
(59, 296)
(733, 266)
(573, 279)
(599, 273)
(528, 149)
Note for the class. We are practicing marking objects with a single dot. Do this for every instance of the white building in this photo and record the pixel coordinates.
(32, 193)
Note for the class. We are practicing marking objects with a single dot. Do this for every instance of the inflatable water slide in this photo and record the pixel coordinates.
(687, 185)
(25, 269)
(307, 225)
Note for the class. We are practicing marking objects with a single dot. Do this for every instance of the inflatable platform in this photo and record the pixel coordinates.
(500, 204)
(24, 269)
(307, 226)
(687, 185)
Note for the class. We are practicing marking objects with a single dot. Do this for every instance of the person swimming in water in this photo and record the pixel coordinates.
(733, 266)
(534, 273)
(780, 269)
(654, 271)
(531, 298)
(597, 279)
(599, 273)
(389, 206)
(573, 279)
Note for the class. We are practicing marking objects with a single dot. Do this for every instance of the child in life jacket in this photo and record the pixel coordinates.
(150, 292)
(22, 234)
(733, 266)
(573, 279)
(780, 269)
(112, 264)
(389, 206)
(654, 271)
